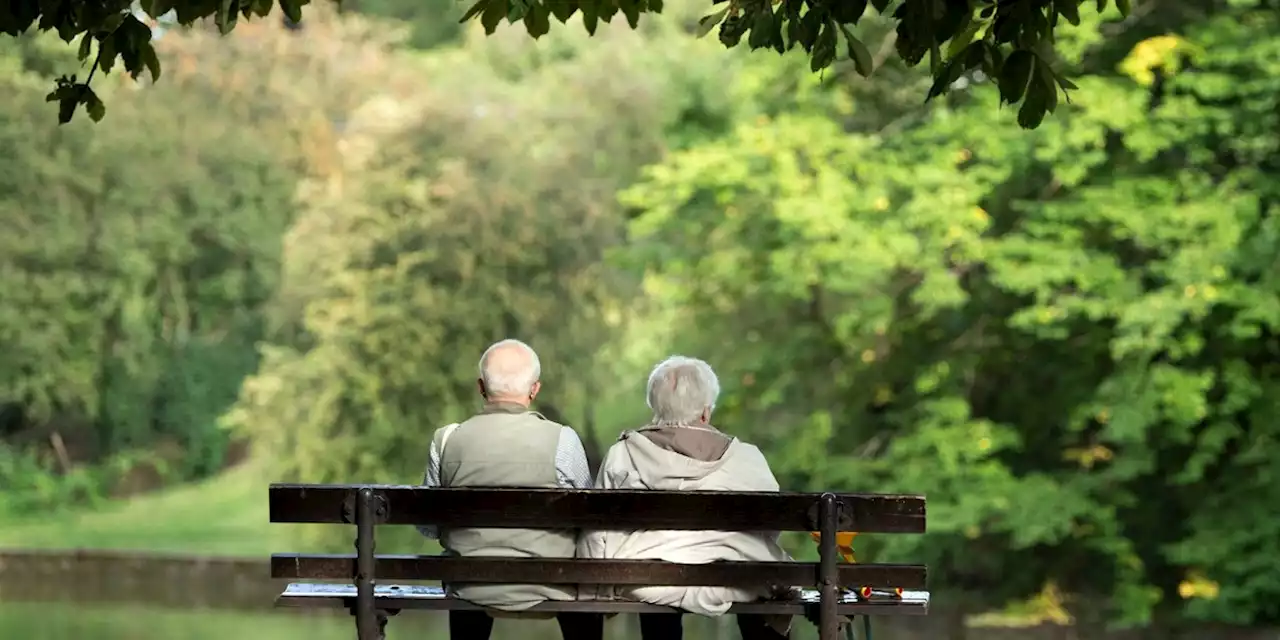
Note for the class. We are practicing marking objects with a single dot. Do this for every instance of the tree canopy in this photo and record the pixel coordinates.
(1010, 43)
(1065, 338)
(132, 267)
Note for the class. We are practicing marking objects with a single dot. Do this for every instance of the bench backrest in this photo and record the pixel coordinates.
(369, 505)
(596, 508)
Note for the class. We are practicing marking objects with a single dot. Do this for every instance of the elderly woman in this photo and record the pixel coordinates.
(680, 451)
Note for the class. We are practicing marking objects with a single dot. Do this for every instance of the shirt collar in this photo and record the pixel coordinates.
(504, 407)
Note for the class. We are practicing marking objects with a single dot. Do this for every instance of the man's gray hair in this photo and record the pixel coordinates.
(510, 376)
(680, 389)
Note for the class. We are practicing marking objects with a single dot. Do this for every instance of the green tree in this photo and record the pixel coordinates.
(1065, 339)
(134, 290)
(1009, 41)
(445, 228)
(431, 24)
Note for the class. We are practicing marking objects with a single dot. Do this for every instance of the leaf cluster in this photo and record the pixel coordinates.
(120, 31)
(537, 15)
(1010, 40)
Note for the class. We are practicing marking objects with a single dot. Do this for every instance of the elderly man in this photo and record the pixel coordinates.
(681, 451)
(508, 445)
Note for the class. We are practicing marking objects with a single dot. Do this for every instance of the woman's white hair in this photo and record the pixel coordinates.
(680, 389)
(510, 376)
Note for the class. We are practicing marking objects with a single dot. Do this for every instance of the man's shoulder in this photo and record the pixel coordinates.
(448, 427)
(501, 417)
(443, 432)
(536, 415)
(569, 437)
(531, 422)
(547, 423)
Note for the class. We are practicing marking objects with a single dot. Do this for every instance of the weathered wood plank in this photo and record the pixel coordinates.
(393, 597)
(580, 509)
(587, 571)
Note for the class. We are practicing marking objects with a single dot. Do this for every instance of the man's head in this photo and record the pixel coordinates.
(509, 372)
(683, 391)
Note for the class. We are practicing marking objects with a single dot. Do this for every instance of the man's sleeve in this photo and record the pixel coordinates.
(431, 479)
(572, 471)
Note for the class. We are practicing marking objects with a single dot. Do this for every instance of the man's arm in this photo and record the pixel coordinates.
(431, 479)
(572, 471)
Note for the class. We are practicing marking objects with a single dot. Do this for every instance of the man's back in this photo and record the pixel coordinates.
(503, 447)
(508, 445)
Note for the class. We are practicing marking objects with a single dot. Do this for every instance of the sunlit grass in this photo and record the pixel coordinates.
(223, 515)
(226, 514)
(83, 621)
(75, 621)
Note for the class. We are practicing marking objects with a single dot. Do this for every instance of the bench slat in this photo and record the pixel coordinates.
(311, 595)
(595, 508)
(588, 571)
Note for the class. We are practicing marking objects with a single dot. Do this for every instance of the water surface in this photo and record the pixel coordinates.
(85, 621)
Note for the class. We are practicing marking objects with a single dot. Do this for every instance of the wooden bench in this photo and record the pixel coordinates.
(366, 506)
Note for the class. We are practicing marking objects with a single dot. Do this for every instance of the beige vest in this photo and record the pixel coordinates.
(504, 446)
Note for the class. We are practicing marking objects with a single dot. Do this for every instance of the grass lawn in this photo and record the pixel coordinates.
(85, 621)
(80, 621)
(225, 515)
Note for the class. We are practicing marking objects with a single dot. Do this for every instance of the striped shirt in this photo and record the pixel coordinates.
(572, 471)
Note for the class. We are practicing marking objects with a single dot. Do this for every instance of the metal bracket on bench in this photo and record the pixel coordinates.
(844, 517)
(830, 519)
(380, 508)
(383, 616)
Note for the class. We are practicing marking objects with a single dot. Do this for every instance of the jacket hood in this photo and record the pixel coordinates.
(662, 469)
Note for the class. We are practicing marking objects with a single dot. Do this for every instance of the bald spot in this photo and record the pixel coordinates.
(507, 361)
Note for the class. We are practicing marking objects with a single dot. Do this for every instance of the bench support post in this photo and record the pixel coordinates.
(828, 569)
(366, 617)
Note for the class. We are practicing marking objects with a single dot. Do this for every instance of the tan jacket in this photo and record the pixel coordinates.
(504, 446)
(663, 458)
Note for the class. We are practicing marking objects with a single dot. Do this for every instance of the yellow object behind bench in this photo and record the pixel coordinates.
(844, 546)
(844, 543)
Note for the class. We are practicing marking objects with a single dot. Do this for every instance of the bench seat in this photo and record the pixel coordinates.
(424, 597)
(356, 578)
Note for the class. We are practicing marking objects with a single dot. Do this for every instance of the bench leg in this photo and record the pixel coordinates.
(367, 626)
(829, 521)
